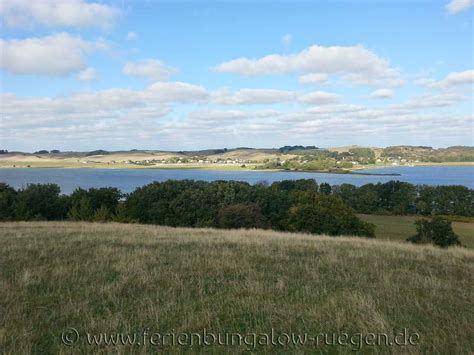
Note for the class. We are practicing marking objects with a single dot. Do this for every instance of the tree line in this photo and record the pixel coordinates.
(290, 205)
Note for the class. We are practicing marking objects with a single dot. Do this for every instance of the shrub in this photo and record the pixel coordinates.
(437, 231)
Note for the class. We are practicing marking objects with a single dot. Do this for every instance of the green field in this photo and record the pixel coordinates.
(136, 279)
(399, 228)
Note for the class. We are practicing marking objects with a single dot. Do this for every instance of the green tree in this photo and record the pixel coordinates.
(97, 197)
(438, 231)
(101, 214)
(328, 215)
(325, 188)
(81, 210)
(7, 197)
(39, 201)
(243, 215)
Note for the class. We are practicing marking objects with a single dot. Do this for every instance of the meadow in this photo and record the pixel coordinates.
(109, 277)
(399, 228)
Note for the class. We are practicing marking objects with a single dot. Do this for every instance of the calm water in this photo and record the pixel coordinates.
(129, 179)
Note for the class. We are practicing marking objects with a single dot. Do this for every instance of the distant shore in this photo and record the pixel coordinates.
(359, 170)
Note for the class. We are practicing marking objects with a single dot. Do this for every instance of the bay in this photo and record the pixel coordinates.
(128, 180)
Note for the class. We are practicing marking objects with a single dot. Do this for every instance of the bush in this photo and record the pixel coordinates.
(437, 231)
(242, 215)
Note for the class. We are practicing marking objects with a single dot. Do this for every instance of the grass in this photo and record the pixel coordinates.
(399, 228)
(125, 278)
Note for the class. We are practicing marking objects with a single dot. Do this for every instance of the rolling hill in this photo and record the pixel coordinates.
(64, 282)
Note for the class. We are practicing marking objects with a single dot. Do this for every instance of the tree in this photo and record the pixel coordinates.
(397, 197)
(243, 215)
(97, 197)
(7, 197)
(101, 214)
(295, 185)
(325, 188)
(328, 215)
(81, 210)
(40, 201)
(438, 231)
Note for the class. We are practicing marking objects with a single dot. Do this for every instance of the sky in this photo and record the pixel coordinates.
(181, 75)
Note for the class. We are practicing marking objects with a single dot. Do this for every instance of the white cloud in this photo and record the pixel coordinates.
(150, 69)
(253, 96)
(175, 92)
(456, 6)
(114, 103)
(87, 74)
(430, 101)
(215, 117)
(78, 109)
(320, 98)
(313, 78)
(381, 94)
(118, 118)
(270, 96)
(451, 80)
(342, 108)
(131, 36)
(356, 64)
(287, 39)
(57, 13)
(354, 124)
(57, 54)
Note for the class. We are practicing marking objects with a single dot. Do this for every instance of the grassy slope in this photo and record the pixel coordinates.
(111, 277)
(399, 228)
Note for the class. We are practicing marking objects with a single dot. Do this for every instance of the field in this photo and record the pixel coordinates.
(399, 228)
(65, 164)
(251, 158)
(136, 279)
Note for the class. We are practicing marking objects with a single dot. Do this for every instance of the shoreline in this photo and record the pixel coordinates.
(249, 168)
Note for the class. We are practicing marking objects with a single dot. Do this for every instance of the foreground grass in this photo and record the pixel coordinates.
(399, 228)
(114, 278)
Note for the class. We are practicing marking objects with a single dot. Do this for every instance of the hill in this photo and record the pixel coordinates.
(137, 279)
(309, 158)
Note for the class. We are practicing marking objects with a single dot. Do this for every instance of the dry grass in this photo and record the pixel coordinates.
(124, 278)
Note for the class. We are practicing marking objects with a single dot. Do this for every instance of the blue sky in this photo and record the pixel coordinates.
(83, 75)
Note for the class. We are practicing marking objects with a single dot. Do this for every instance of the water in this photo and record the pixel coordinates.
(128, 180)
